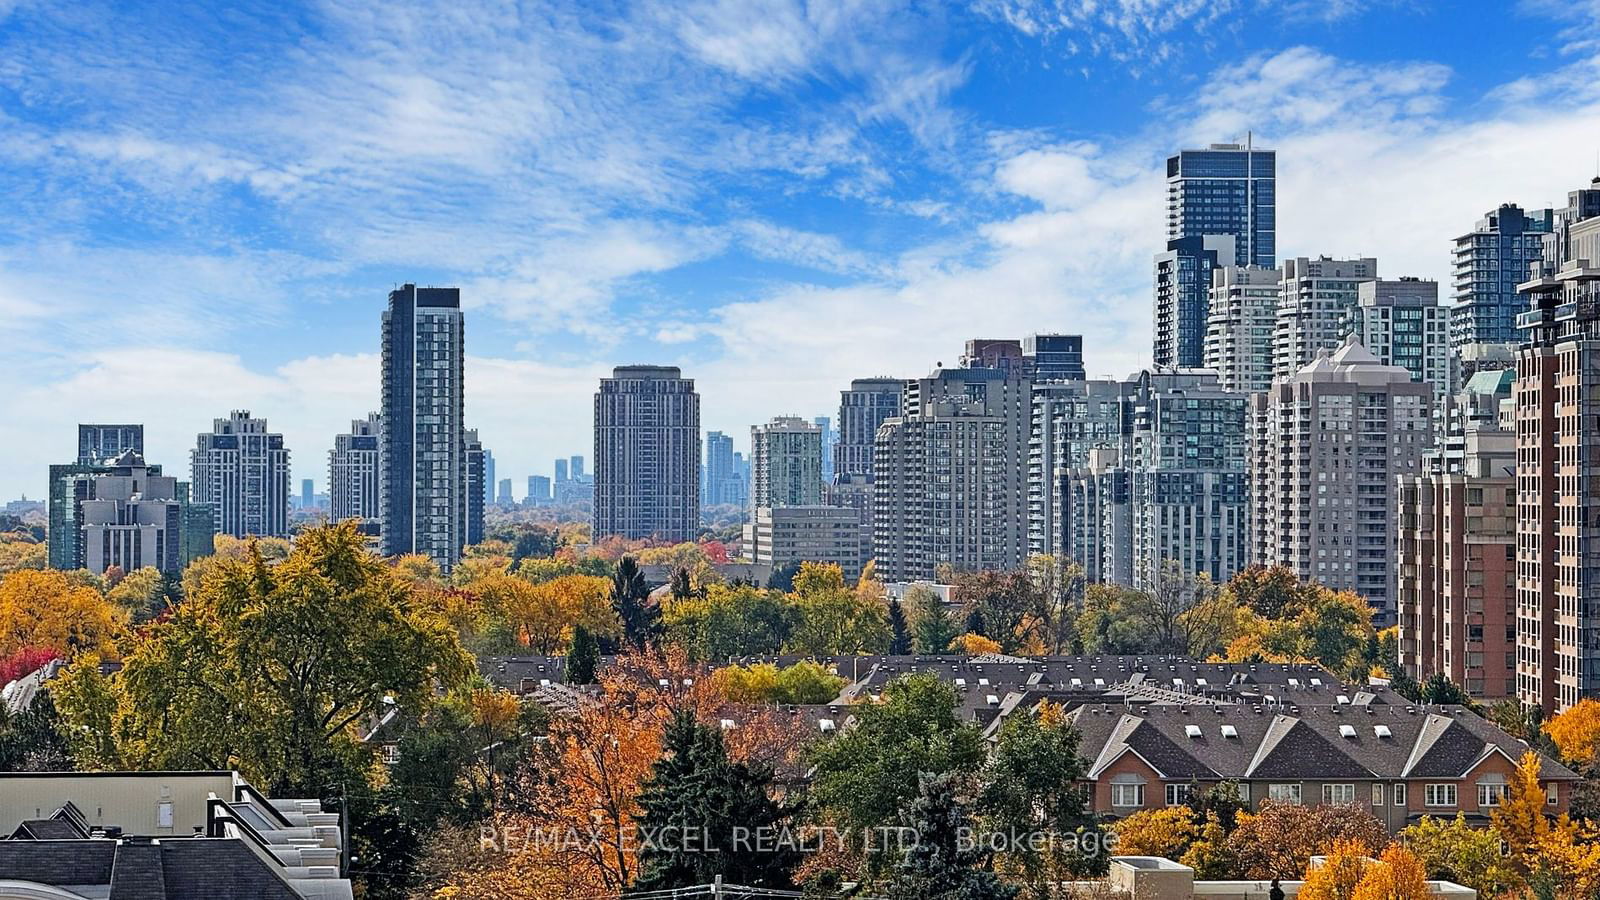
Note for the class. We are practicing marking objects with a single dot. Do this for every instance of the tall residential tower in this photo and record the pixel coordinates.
(647, 455)
(424, 446)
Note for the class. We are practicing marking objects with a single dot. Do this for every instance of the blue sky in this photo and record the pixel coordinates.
(206, 204)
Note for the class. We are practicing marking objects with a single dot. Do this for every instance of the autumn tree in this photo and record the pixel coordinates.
(18, 552)
(1397, 875)
(1344, 867)
(804, 682)
(1008, 603)
(830, 619)
(44, 608)
(1279, 839)
(1059, 585)
(1271, 592)
(1576, 731)
(267, 668)
(1454, 850)
(725, 621)
(1167, 832)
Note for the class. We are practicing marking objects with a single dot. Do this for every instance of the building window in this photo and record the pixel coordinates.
(391, 754)
(1286, 793)
(1439, 795)
(1338, 794)
(1127, 794)
(1178, 794)
(1377, 795)
(1491, 791)
(1400, 795)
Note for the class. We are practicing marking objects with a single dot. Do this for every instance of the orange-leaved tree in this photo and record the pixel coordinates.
(1343, 868)
(1397, 875)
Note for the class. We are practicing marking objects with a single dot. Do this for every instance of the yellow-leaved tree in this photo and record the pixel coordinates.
(1164, 832)
(1575, 731)
(47, 609)
(1343, 868)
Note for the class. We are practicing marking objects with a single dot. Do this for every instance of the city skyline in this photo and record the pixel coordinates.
(669, 247)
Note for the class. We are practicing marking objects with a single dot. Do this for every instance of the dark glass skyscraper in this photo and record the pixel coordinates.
(1221, 210)
(98, 443)
(424, 443)
(1226, 189)
(1490, 261)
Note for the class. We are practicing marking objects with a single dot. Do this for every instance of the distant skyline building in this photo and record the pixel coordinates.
(1069, 420)
(240, 470)
(1226, 189)
(1329, 448)
(1403, 324)
(1318, 298)
(647, 455)
(825, 423)
(1489, 262)
(1053, 357)
(98, 443)
(539, 490)
(477, 485)
(489, 481)
(503, 493)
(576, 468)
(355, 475)
(424, 448)
(862, 409)
(1240, 322)
(1171, 489)
(785, 463)
(949, 483)
(1183, 297)
(721, 484)
(308, 493)
(132, 518)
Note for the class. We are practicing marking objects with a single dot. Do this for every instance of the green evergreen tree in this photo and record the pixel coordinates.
(934, 629)
(899, 632)
(583, 658)
(703, 816)
(630, 597)
(1440, 689)
(975, 622)
(939, 863)
(1406, 686)
(681, 589)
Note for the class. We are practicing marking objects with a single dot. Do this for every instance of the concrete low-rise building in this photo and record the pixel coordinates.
(782, 535)
(188, 835)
